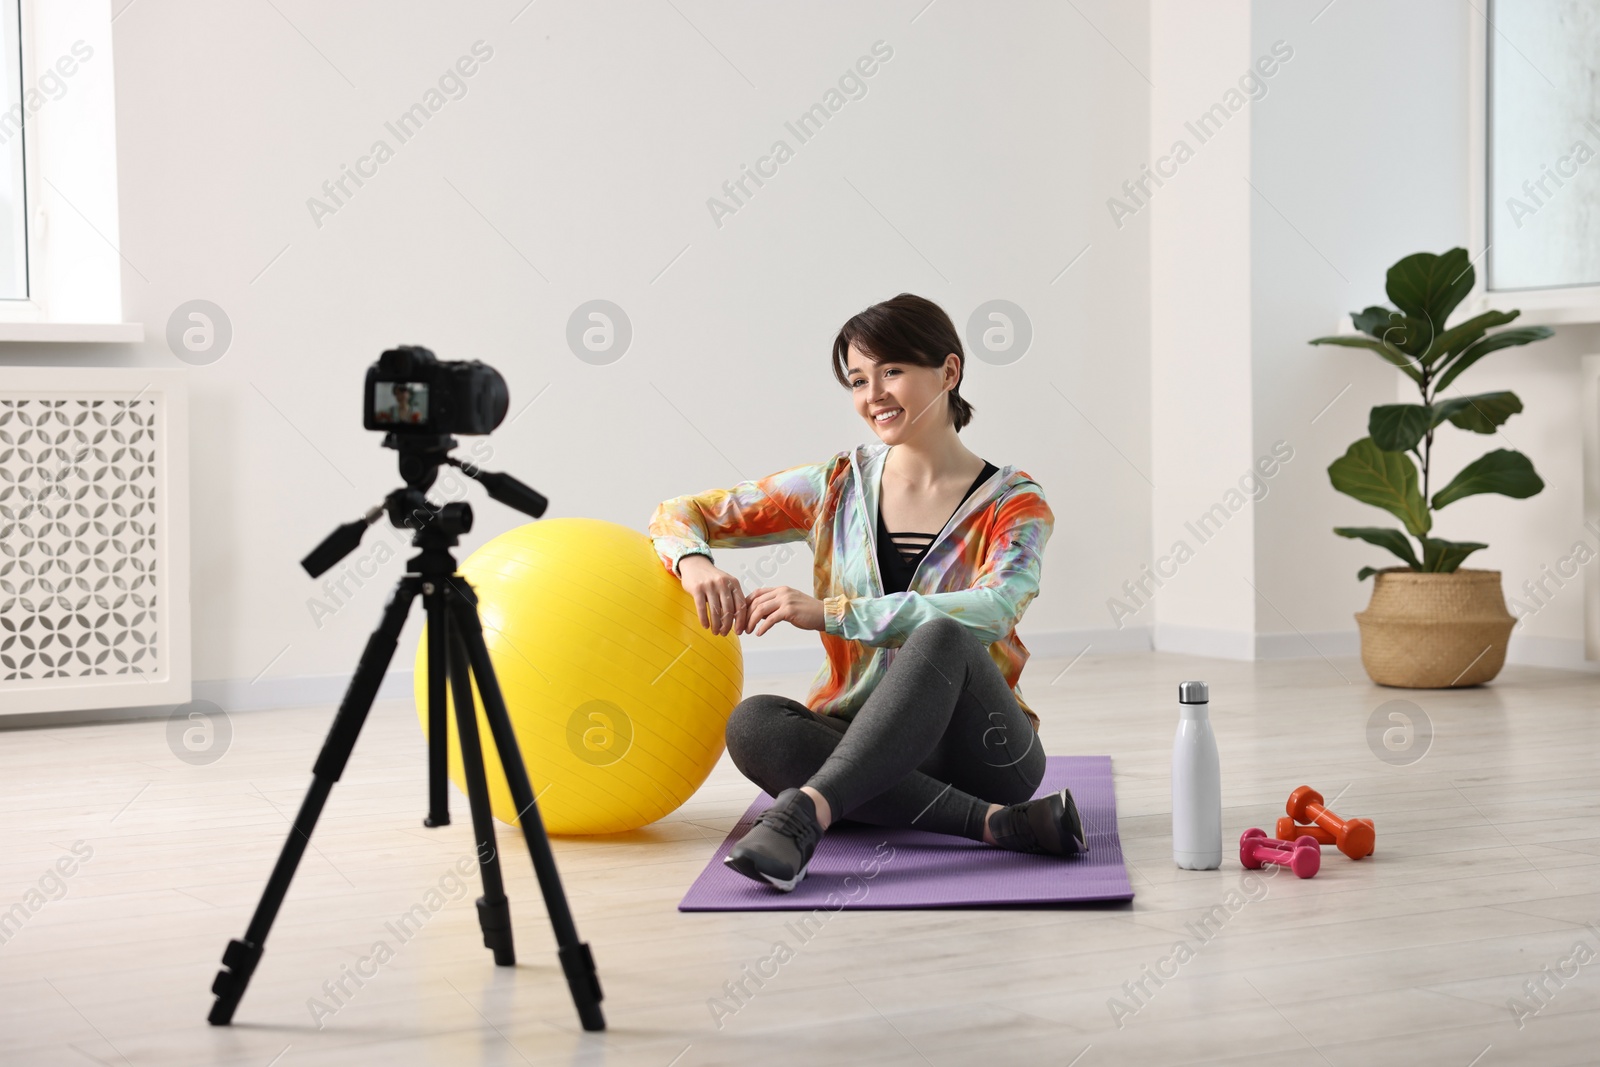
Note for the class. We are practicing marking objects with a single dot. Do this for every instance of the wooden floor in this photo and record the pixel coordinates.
(1487, 872)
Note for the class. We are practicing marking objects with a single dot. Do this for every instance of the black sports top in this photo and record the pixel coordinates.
(899, 553)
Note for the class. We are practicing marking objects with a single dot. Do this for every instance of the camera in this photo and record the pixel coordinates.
(410, 391)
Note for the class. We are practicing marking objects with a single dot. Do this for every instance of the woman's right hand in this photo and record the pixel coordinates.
(718, 598)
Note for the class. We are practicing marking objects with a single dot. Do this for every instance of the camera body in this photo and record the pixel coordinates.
(410, 391)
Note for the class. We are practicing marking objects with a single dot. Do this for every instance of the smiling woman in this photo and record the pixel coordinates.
(889, 357)
(940, 737)
(905, 332)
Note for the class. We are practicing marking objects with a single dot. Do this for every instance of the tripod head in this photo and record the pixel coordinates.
(418, 398)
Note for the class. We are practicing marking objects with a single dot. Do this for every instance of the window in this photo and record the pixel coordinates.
(61, 267)
(1533, 181)
(1543, 144)
(13, 192)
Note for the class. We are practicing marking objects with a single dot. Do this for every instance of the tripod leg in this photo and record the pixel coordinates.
(438, 727)
(576, 959)
(494, 911)
(241, 956)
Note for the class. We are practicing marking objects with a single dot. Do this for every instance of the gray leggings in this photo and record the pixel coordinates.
(939, 740)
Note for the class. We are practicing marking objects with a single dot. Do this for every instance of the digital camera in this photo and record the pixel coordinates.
(410, 391)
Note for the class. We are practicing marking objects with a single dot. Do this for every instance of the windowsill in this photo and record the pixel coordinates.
(1538, 307)
(73, 332)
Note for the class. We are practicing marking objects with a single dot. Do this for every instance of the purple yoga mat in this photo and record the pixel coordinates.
(862, 866)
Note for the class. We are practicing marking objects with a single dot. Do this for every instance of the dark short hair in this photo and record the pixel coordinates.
(905, 329)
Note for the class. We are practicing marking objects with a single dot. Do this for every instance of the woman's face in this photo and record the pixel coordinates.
(916, 393)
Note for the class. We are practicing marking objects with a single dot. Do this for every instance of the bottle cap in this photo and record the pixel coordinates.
(1193, 693)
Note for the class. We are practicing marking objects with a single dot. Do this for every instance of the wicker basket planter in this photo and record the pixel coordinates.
(1433, 624)
(1434, 631)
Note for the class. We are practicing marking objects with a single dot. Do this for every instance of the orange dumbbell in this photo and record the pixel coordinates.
(1353, 837)
(1289, 830)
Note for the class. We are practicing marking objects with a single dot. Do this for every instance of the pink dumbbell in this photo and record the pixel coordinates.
(1303, 856)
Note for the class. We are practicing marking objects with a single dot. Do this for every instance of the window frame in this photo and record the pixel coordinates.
(29, 308)
(1549, 306)
(84, 304)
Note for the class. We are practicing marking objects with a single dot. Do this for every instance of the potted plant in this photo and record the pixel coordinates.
(1431, 623)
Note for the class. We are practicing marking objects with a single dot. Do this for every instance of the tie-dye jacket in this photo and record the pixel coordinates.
(982, 569)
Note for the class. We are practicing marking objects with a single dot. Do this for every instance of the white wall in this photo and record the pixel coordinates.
(1336, 209)
(1355, 156)
(1200, 348)
(581, 158)
(979, 164)
(1362, 152)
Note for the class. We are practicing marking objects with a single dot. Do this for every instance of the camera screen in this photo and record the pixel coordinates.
(400, 402)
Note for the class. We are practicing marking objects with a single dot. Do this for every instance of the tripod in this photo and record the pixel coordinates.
(457, 654)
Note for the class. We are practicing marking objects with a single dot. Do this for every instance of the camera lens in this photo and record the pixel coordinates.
(494, 397)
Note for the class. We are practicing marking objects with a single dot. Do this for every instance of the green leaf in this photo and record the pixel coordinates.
(1365, 572)
(1373, 320)
(1480, 413)
(1443, 557)
(1398, 427)
(1501, 471)
(1386, 480)
(1383, 537)
(1389, 353)
(1410, 335)
(1494, 342)
(1429, 287)
(1454, 340)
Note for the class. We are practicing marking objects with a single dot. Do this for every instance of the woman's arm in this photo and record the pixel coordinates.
(760, 511)
(990, 607)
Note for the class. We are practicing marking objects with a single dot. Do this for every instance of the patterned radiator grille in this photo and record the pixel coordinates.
(78, 537)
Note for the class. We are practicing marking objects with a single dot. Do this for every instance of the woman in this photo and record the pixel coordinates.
(926, 556)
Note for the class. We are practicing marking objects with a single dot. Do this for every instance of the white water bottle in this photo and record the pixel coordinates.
(1196, 784)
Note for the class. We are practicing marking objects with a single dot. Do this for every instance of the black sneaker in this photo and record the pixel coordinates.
(778, 848)
(1045, 824)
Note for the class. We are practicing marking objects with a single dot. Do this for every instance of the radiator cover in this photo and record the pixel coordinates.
(94, 546)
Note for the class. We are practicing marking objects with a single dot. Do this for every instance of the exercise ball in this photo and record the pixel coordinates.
(618, 697)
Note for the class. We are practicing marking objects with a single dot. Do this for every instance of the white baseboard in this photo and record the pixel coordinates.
(231, 695)
(1069, 643)
(799, 660)
(241, 694)
(1046, 645)
(1244, 645)
(1204, 641)
(1300, 646)
(1564, 653)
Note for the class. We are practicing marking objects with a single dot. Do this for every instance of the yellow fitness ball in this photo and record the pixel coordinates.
(618, 696)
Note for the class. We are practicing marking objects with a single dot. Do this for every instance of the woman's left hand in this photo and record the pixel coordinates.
(781, 603)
